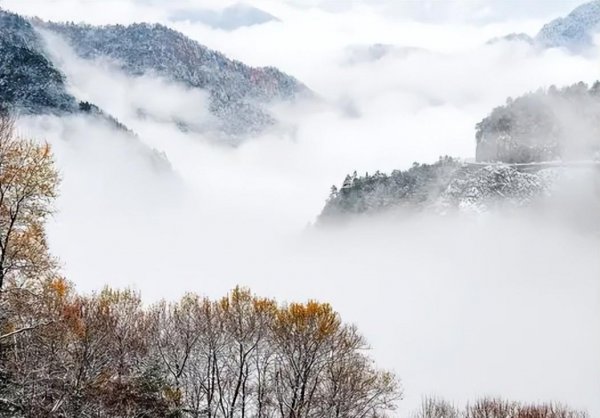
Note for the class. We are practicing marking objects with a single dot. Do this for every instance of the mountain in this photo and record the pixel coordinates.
(553, 124)
(575, 31)
(452, 185)
(230, 18)
(529, 151)
(29, 82)
(239, 94)
(31, 85)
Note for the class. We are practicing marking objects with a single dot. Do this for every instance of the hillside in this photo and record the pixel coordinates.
(29, 82)
(239, 93)
(447, 185)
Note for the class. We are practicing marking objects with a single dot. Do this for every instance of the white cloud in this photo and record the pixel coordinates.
(459, 307)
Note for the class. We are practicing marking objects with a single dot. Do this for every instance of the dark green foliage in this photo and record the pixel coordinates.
(85, 107)
(412, 187)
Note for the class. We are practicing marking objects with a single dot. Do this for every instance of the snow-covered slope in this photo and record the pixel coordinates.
(239, 93)
(451, 185)
(29, 82)
(31, 86)
(575, 31)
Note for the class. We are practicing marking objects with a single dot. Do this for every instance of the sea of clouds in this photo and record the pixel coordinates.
(459, 307)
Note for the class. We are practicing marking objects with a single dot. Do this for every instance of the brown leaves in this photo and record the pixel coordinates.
(28, 184)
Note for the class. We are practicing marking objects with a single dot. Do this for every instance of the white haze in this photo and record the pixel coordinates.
(458, 307)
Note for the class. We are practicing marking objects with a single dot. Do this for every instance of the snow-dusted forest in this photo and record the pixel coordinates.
(299, 209)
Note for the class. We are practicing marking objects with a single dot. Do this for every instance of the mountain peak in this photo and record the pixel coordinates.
(574, 31)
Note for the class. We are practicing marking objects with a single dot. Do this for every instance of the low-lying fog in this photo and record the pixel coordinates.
(460, 307)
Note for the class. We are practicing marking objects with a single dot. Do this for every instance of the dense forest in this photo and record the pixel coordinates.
(446, 185)
(414, 187)
(107, 354)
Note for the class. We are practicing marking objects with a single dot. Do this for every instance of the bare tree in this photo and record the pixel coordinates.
(494, 408)
(432, 407)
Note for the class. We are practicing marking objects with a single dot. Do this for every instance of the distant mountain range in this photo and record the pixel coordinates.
(239, 94)
(230, 18)
(574, 32)
(359, 54)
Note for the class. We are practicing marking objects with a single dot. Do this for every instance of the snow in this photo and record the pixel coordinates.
(239, 93)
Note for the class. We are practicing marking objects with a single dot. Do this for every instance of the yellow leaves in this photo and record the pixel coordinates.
(28, 184)
(60, 287)
(225, 304)
(317, 318)
(264, 305)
